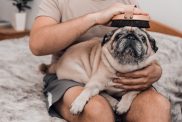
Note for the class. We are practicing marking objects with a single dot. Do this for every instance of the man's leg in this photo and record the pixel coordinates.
(96, 110)
(149, 106)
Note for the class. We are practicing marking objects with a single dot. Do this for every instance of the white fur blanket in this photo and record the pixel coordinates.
(21, 98)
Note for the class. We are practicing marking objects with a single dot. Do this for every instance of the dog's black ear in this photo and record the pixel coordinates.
(152, 41)
(107, 37)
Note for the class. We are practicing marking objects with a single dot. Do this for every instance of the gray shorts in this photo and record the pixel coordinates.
(54, 90)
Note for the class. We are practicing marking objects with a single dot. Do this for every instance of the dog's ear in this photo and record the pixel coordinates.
(152, 41)
(107, 37)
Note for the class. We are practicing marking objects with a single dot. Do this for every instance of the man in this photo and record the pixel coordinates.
(61, 23)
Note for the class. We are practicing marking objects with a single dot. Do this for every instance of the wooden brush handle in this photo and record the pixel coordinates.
(134, 17)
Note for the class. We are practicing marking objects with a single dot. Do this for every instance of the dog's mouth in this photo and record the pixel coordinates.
(129, 49)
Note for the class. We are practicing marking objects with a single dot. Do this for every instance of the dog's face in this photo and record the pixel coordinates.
(129, 45)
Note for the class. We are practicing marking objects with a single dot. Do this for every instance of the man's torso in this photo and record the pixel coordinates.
(70, 9)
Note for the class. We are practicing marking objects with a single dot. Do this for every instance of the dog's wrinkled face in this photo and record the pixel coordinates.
(130, 45)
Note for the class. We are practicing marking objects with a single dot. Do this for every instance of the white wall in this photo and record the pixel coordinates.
(165, 11)
(32, 13)
(7, 11)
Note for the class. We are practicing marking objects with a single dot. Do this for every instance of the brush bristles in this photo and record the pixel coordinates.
(132, 23)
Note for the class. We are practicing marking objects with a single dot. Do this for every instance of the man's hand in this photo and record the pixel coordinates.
(139, 80)
(104, 16)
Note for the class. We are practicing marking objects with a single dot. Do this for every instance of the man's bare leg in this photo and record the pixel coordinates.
(96, 110)
(149, 106)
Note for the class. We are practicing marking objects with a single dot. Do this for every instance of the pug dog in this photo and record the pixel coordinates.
(96, 62)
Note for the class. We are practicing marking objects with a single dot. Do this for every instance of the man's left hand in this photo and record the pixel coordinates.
(140, 79)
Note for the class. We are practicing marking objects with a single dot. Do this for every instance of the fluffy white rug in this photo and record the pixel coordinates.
(21, 98)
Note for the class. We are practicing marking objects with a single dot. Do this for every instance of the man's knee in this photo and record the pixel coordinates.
(148, 105)
(152, 98)
(98, 107)
(96, 110)
(95, 106)
(161, 101)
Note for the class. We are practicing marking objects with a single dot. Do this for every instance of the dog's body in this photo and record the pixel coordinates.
(95, 64)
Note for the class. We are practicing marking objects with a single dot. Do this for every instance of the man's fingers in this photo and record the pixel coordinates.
(130, 81)
(139, 12)
(122, 7)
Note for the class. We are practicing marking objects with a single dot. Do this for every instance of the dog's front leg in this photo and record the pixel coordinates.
(92, 88)
(125, 103)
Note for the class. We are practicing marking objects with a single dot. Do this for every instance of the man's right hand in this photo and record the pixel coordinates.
(49, 36)
(104, 17)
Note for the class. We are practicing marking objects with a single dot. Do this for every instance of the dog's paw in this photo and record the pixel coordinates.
(77, 107)
(122, 108)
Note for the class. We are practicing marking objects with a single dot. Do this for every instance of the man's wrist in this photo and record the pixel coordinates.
(92, 18)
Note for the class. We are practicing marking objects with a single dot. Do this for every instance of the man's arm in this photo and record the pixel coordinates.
(48, 36)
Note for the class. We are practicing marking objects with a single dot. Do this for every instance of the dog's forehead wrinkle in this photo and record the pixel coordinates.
(116, 32)
(120, 31)
(142, 34)
(129, 28)
(139, 32)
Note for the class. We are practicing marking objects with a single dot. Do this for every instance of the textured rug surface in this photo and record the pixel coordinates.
(170, 84)
(21, 97)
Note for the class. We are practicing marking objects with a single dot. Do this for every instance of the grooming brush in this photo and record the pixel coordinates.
(129, 19)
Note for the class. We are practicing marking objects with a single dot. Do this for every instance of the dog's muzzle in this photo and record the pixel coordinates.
(129, 49)
(132, 46)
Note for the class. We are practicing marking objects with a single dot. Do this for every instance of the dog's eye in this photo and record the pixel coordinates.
(118, 36)
(143, 38)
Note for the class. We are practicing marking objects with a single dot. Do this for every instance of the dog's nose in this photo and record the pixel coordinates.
(131, 40)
